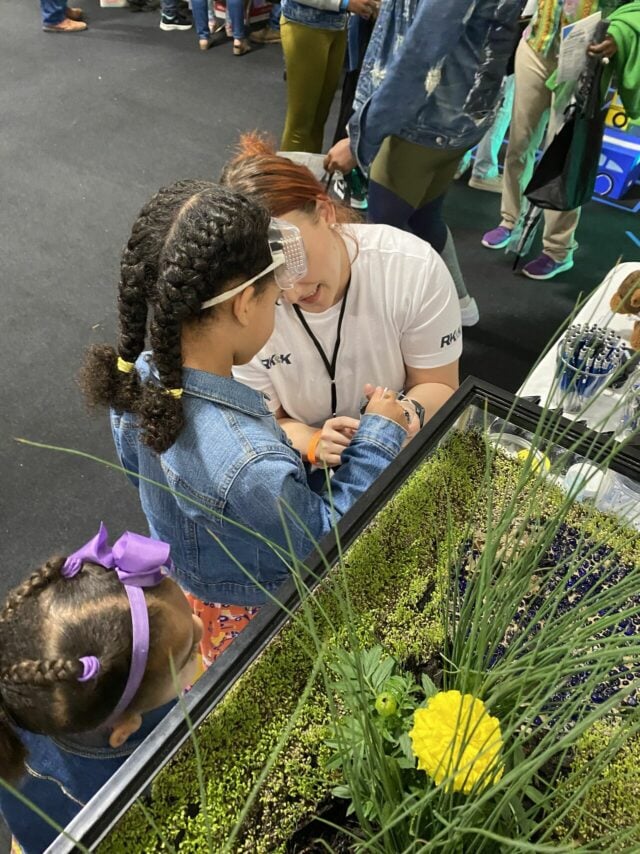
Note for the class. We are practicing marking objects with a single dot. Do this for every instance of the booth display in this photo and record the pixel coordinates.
(604, 412)
(438, 583)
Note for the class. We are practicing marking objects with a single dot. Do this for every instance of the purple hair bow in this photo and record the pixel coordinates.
(138, 561)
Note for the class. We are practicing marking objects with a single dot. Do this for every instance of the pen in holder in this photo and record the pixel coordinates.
(587, 358)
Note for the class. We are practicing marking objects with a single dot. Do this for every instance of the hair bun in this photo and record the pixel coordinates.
(255, 144)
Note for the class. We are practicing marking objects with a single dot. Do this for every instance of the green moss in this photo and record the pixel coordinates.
(395, 579)
(613, 801)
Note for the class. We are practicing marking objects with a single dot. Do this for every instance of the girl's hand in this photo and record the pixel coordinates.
(604, 49)
(383, 402)
(364, 8)
(412, 422)
(336, 435)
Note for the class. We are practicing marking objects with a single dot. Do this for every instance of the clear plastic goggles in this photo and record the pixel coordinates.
(288, 261)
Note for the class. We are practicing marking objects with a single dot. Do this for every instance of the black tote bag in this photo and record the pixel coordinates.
(565, 176)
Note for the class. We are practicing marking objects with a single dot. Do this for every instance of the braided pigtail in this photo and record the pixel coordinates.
(108, 376)
(13, 753)
(217, 239)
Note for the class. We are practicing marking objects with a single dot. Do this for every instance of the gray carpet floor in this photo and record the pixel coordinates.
(90, 126)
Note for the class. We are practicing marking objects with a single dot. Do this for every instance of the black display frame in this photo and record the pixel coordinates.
(101, 814)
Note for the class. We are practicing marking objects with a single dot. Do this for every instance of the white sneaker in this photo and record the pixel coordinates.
(469, 311)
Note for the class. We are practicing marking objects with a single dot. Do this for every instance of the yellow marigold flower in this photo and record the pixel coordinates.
(455, 735)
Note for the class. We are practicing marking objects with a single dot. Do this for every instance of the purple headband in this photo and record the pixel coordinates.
(138, 562)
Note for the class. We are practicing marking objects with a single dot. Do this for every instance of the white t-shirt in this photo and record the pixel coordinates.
(402, 309)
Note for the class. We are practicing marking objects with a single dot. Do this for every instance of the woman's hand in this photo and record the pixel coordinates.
(384, 402)
(604, 49)
(336, 435)
(339, 158)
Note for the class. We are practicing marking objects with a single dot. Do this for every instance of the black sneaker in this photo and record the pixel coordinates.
(177, 22)
(358, 186)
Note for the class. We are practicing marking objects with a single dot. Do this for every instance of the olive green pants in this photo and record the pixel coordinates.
(413, 172)
(313, 59)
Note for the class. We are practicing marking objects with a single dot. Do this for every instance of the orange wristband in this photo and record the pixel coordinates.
(312, 446)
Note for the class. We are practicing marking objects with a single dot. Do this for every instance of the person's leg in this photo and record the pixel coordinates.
(171, 17)
(486, 162)
(274, 17)
(397, 198)
(532, 100)
(235, 8)
(336, 47)
(305, 55)
(200, 11)
(52, 11)
(558, 240)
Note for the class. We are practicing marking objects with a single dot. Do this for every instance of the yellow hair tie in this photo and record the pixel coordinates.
(175, 392)
(124, 366)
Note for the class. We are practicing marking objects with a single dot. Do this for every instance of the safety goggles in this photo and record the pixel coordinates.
(288, 261)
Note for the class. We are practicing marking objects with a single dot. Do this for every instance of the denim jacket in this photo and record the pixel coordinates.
(318, 14)
(64, 773)
(432, 73)
(232, 478)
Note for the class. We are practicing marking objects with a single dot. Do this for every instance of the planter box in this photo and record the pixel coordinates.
(475, 406)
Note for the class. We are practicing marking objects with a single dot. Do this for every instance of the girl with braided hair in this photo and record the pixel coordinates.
(94, 648)
(216, 475)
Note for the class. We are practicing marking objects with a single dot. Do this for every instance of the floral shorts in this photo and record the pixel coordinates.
(221, 624)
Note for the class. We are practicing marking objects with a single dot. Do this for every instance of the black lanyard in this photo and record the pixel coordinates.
(329, 365)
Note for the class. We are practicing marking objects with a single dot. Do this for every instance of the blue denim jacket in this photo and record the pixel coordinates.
(232, 476)
(432, 73)
(62, 775)
(318, 14)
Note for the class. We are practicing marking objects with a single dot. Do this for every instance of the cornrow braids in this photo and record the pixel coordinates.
(217, 238)
(47, 625)
(47, 573)
(41, 672)
(107, 377)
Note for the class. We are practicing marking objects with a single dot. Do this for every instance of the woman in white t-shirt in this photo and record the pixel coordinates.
(377, 308)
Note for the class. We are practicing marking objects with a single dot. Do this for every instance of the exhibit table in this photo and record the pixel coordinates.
(603, 412)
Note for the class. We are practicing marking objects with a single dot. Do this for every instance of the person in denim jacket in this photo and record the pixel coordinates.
(216, 475)
(83, 681)
(314, 39)
(427, 92)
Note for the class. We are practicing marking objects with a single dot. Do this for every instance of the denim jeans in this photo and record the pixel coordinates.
(200, 14)
(274, 18)
(235, 16)
(53, 11)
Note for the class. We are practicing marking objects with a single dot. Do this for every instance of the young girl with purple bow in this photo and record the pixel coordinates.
(94, 649)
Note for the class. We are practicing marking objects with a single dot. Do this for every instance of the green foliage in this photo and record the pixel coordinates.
(396, 578)
(614, 796)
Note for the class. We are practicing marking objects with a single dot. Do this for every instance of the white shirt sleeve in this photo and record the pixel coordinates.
(432, 333)
(255, 375)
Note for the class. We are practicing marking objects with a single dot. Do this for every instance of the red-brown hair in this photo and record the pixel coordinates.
(276, 182)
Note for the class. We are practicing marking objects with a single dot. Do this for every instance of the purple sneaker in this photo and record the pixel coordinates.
(497, 238)
(544, 267)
